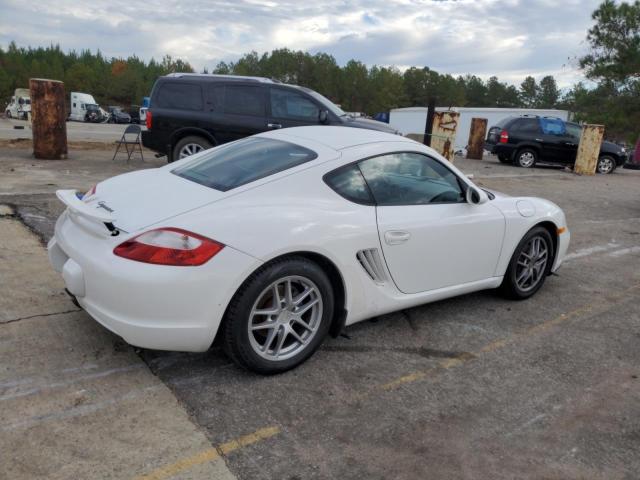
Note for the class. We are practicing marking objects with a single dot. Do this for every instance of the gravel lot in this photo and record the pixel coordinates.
(472, 387)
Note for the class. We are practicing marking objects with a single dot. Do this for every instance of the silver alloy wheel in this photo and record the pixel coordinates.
(285, 318)
(532, 263)
(189, 149)
(605, 165)
(526, 159)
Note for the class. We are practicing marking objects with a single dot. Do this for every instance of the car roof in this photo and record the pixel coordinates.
(335, 137)
(220, 77)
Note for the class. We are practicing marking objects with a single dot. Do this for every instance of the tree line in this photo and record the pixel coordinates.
(612, 66)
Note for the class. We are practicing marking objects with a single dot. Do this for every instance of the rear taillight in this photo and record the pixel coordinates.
(504, 136)
(169, 246)
(148, 119)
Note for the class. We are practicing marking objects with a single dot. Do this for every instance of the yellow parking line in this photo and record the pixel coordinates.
(209, 454)
(497, 344)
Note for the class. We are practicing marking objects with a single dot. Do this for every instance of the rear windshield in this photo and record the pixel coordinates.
(244, 161)
(503, 123)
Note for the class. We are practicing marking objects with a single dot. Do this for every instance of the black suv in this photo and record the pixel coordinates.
(528, 139)
(192, 112)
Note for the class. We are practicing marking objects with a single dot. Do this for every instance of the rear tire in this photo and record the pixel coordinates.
(526, 157)
(291, 303)
(529, 265)
(190, 145)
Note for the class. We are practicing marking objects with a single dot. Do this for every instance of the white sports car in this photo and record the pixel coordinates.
(275, 240)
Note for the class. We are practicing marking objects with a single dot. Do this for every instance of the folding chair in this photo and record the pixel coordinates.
(130, 142)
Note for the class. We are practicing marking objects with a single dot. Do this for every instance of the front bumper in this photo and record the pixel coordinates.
(150, 306)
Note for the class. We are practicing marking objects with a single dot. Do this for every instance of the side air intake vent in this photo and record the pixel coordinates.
(371, 262)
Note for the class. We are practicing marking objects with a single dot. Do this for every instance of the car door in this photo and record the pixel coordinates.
(244, 111)
(289, 108)
(572, 140)
(431, 237)
(554, 142)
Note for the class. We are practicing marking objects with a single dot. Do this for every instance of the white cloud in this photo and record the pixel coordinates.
(507, 38)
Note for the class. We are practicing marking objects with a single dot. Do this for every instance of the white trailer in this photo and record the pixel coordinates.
(79, 102)
(413, 119)
(20, 104)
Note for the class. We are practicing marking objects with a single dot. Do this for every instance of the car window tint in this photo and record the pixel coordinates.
(244, 161)
(552, 126)
(244, 100)
(527, 125)
(292, 105)
(410, 179)
(349, 183)
(183, 96)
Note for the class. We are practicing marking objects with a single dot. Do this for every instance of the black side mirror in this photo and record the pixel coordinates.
(323, 116)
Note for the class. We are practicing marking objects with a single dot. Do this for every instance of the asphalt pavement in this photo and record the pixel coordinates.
(474, 387)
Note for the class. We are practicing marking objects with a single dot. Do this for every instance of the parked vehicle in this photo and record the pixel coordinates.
(527, 140)
(134, 113)
(20, 104)
(285, 236)
(142, 115)
(193, 112)
(84, 108)
(117, 115)
(634, 158)
(412, 120)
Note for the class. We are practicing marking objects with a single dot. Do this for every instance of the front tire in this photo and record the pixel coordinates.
(606, 164)
(190, 145)
(8, 114)
(529, 265)
(279, 316)
(526, 158)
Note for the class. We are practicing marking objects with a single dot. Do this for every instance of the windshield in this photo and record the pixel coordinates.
(574, 130)
(332, 107)
(244, 161)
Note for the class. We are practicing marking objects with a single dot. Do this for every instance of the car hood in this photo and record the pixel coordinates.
(369, 124)
(610, 147)
(139, 199)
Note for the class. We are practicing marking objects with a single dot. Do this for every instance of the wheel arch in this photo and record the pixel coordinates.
(335, 277)
(552, 228)
(187, 131)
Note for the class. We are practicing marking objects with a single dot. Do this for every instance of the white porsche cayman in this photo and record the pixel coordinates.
(275, 240)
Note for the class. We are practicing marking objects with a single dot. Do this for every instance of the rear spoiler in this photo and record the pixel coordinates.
(92, 212)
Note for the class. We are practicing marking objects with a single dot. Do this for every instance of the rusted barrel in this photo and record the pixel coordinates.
(589, 149)
(477, 132)
(48, 119)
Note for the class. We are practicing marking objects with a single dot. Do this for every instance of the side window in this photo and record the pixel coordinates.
(552, 126)
(410, 179)
(574, 131)
(349, 183)
(215, 97)
(244, 100)
(527, 125)
(180, 96)
(292, 105)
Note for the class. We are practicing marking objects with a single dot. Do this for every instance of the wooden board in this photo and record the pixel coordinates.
(477, 134)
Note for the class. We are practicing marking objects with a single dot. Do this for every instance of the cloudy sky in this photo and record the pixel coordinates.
(507, 38)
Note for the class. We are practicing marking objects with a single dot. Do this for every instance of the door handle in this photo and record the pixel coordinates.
(538, 140)
(274, 125)
(396, 237)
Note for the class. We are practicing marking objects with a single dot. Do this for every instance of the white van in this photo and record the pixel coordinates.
(20, 104)
(79, 102)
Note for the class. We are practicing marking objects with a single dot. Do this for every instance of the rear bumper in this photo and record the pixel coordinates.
(500, 149)
(149, 306)
(153, 142)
